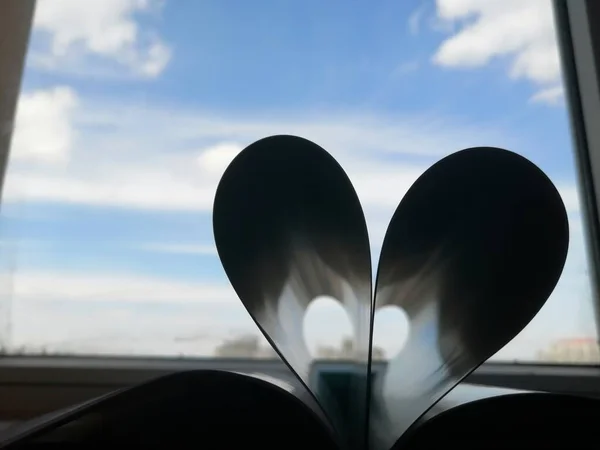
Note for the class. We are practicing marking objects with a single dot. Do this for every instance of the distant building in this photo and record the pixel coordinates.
(251, 346)
(345, 352)
(578, 351)
(246, 346)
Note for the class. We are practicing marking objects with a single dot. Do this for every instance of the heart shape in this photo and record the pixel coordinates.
(471, 254)
(329, 335)
(391, 330)
(327, 329)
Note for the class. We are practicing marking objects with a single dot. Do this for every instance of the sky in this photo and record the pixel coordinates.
(131, 110)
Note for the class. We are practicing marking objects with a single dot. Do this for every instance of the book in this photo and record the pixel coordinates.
(471, 254)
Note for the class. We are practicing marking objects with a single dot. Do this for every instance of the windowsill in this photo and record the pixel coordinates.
(116, 370)
(35, 385)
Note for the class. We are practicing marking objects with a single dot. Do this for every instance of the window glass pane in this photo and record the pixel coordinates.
(131, 109)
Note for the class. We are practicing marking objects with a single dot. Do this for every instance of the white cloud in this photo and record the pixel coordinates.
(381, 186)
(116, 313)
(149, 189)
(118, 162)
(124, 329)
(125, 166)
(522, 31)
(570, 197)
(81, 32)
(44, 125)
(215, 159)
(65, 286)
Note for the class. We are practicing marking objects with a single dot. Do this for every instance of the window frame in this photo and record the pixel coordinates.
(578, 35)
(34, 385)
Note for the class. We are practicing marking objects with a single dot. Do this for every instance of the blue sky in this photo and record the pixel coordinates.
(131, 110)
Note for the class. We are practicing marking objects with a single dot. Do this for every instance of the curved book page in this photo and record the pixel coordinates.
(472, 253)
(457, 258)
(288, 228)
(186, 409)
(295, 387)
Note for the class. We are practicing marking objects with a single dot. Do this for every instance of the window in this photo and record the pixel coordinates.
(131, 110)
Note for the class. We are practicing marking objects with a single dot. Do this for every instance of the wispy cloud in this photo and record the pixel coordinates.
(405, 68)
(119, 313)
(414, 21)
(550, 96)
(125, 328)
(116, 162)
(68, 285)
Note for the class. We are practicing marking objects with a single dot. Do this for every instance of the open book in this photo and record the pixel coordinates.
(471, 254)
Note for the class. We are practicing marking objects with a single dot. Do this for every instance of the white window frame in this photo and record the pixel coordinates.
(30, 386)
